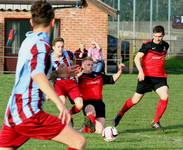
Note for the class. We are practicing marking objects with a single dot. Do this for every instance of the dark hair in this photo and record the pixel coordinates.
(42, 13)
(159, 29)
(58, 39)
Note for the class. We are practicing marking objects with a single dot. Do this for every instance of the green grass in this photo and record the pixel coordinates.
(174, 65)
(134, 130)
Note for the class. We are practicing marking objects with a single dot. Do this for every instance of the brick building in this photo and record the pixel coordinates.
(76, 21)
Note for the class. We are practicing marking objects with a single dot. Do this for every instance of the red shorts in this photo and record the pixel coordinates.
(40, 126)
(67, 88)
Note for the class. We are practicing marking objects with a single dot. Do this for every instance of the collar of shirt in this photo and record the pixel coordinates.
(41, 35)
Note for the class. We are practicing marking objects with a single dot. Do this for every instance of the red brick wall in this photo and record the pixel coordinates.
(1, 47)
(84, 25)
(77, 25)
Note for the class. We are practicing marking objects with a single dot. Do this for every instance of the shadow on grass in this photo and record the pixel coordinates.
(166, 128)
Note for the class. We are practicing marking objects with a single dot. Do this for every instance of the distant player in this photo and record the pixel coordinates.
(150, 62)
(91, 87)
(66, 86)
(24, 117)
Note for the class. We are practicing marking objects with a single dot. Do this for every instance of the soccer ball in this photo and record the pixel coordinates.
(109, 134)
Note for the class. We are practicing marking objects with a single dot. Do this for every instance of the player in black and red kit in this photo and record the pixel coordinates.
(91, 86)
(150, 61)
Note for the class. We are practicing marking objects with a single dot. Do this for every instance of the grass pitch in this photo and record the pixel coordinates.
(134, 129)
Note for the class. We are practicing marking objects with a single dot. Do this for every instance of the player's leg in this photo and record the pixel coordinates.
(76, 108)
(10, 148)
(60, 90)
(71, 137)
(78, 105)
(130, 102)
(90, 120)
(161, 105)
(142, 88)
(63, 99)
(10, 139)
(100, 124)
(75, 97)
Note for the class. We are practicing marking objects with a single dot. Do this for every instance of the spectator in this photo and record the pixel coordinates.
(95, 52)
(80, 53)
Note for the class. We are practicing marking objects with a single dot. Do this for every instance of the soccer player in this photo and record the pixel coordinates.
(24, 117)
(150, 62)
(91, 86)
(67, 86)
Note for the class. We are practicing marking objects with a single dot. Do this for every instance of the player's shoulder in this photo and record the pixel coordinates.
(165, 43)
(147, 42)
(91, 75)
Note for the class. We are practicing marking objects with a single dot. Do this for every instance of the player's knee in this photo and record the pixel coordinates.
(90, 109)
(165, 98)
(135, 100)
(78, 103)
(81, 143)
(79, 106)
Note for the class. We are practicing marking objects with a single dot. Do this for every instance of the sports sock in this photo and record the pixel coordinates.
(128, 104)
(70, 148)
(86, 130)
(161, 107)
(74, 110)
(92, 118)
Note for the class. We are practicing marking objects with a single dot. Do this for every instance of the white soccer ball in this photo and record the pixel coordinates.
(109, 134)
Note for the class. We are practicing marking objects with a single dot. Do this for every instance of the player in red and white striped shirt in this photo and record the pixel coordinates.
(25, 118)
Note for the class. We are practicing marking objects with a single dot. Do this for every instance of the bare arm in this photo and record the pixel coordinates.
(43, 83)
(137, 60)
(117, 75)
(97, 45)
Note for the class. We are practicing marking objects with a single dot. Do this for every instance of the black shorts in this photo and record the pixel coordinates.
(98, 105)
(150, 83)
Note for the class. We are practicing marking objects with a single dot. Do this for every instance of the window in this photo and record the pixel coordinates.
(14, 35)
(15, 30)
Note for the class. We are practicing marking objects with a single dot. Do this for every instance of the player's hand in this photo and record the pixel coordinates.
(141, 76)
(121, 67)
(77, 69)
(64, 115)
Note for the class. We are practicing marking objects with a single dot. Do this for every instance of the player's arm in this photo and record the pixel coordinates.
(41, 80)
(117, 75)
(97, 45)
(137, 60)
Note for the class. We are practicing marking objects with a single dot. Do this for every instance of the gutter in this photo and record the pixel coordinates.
(78, 3)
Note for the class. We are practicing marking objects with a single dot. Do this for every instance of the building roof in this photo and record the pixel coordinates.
(25, 5)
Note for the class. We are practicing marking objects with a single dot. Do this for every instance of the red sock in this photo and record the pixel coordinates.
(161, 107)
(70, 148)
(128, 104)
(92, 118)
(74, 110)
(86, 130)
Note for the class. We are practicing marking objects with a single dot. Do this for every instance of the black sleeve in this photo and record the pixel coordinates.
(144, 49)
(107, 79)
(166, 45)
